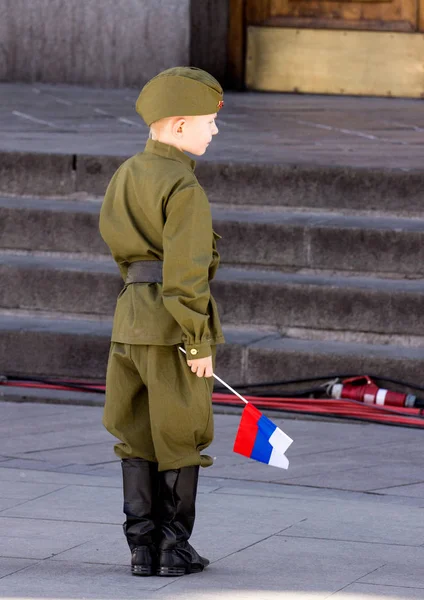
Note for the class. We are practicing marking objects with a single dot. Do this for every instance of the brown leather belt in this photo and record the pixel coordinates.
(145, 271)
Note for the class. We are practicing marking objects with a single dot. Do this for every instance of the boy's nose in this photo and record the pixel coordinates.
(215, 131)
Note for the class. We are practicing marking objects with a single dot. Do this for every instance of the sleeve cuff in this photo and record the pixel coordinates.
(195, 351)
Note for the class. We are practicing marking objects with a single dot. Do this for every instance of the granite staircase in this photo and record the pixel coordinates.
(322, 272)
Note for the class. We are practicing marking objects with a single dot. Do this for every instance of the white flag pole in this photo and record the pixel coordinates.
(221, 381)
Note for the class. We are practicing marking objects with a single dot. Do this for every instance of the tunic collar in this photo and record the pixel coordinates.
(167, 151)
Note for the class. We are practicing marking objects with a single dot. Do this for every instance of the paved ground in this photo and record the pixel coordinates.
(254, 127)
(344, 522)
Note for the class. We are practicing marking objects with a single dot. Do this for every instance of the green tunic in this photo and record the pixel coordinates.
(155, 209)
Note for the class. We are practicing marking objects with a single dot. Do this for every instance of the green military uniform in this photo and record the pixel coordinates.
(157, 223)
(155, 210)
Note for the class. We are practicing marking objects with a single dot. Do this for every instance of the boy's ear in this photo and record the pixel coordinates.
(178, 127)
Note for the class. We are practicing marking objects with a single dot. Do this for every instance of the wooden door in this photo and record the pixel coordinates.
(366, 47)
(376, 15)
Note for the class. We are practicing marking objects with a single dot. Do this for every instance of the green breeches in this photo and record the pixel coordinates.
(156, 406)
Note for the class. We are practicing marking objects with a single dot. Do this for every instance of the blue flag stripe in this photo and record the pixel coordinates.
(262, 449)
(266, 426)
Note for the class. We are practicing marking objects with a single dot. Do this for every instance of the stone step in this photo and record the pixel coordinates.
(321, 240)
(34, 345)
(281, 301)
(315, 186)
(278, 239)
(50, 225)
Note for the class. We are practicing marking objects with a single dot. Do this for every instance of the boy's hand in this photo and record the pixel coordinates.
(201, 366)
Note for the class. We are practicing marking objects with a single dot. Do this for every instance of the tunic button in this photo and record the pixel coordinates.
(193, 351)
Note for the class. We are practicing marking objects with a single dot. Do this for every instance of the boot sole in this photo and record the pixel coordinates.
(177, 571)
(142, 571)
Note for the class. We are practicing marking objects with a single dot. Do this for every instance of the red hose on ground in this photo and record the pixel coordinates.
(326, 407)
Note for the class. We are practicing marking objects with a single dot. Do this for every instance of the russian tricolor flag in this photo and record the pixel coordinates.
(259, 438)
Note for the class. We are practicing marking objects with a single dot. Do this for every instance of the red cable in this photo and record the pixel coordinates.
(341, 408)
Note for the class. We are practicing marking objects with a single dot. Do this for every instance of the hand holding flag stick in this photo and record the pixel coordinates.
(257, 436)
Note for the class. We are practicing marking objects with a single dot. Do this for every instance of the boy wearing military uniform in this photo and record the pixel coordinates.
(156, 220)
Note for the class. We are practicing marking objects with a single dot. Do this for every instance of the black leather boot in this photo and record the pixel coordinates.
(177, 492)
(140, 479)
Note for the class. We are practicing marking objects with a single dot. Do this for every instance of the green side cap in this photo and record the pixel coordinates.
(179, 92)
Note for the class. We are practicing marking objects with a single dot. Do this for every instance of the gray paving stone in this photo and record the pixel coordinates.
(277, 565)
(76, 468)
(246, 470)
(328, 465)
(317, 495)
(238, 513)
(47, 420)
(364, 478)
(406, 451)
(395, 556)
(265, 490)
(111, 470)
(66, 580)
(24, 490)
(74, 503)
(34, 538)
(27, 464)
(13, 474)
(409, 575)
(242, 593)
(107, 550)
(84, 454)
(362, 521)
(53, 440)
(415, 490)
(207, 487)
(224, 538)
(14, 413)
(361, 591)
(13, 565)
(6, 503)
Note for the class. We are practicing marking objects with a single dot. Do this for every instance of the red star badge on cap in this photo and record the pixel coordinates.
(220, 104)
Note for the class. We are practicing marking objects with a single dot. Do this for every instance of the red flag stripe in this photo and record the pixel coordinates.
(247, 431)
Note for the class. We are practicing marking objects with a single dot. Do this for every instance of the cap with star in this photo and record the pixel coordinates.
(179, 92)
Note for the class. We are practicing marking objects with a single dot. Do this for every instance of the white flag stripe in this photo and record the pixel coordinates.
(278, 460)
(280, 441)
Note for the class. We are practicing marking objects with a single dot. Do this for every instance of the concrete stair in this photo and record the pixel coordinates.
(35, 343)
(307, 286)
(278, 238)
(246, 296)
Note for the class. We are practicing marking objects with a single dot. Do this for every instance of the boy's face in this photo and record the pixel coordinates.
(195, 133)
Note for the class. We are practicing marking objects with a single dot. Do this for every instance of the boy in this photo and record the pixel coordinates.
(156, 220)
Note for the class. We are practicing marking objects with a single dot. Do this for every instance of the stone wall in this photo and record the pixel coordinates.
(112, 43)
